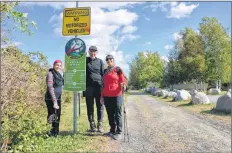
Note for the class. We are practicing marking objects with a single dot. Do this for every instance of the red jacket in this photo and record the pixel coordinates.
(112, 81)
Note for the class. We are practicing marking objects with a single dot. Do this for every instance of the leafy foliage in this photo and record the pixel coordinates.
(146, 67)
(10, 15)
(197, 56)
(217, 49)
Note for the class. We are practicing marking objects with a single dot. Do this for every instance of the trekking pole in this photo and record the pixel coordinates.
(124, 120)
(126, 133)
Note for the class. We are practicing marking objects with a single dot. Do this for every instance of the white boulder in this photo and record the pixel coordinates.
(224, 103)
(163, 93)
(214, 91)
(175, 90)
(199, 98)
(155, 91)
(172, 94)
(182, 95)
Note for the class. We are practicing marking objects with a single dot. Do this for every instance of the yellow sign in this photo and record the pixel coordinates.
(76, 21)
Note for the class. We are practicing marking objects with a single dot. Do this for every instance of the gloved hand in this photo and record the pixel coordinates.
(56, 106)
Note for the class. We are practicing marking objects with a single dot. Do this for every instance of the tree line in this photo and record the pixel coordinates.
(197, 56)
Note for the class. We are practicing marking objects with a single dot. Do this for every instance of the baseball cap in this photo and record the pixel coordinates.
(93, 48)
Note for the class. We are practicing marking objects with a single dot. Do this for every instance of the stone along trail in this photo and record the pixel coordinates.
(157, 127)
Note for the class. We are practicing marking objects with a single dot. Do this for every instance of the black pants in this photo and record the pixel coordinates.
(91, 94)
(51, 110)
(114, 110)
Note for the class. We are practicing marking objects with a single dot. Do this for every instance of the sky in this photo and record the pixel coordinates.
(119, 28)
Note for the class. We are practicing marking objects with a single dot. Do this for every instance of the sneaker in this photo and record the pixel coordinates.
(110, 134)
(93, 127)
(99, 127)
(117, 136)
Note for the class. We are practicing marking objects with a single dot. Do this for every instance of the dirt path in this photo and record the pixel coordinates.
(157, 127)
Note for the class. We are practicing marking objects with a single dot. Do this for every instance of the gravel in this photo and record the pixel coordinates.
(157, 127)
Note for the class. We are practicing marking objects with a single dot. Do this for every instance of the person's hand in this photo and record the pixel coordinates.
(102, 100)
(55, 106)
(123, 86)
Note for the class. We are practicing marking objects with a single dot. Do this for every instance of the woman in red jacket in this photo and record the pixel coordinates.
(114, 84)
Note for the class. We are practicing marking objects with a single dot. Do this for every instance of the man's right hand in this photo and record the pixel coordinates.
(102, 100)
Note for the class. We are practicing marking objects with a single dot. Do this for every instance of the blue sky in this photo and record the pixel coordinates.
(120, 28)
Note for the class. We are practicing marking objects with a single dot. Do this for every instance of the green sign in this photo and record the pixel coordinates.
(75, 65)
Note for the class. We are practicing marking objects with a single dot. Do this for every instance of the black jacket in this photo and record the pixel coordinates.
(94, 72)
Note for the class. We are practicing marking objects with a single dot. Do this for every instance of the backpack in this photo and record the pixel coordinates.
(118, 70)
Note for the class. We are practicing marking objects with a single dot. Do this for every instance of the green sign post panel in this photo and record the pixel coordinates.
(75, 65)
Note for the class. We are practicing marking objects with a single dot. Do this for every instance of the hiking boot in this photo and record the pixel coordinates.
(93, 127)
(117, 136)
(110, 134)
(99, 127)
(51, 134)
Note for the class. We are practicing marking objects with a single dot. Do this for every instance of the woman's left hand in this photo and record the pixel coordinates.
(123, 86)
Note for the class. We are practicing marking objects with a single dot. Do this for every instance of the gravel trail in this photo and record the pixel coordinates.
(157, 127)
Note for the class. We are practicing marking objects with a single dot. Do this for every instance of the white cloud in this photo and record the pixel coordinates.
(146, 18)
(173, 9)
(18, 43)
(12, 44)
(182, 10)
(109, 29)
(61, 5)
(119, 17)
(145, 54)
(129, 29)
(54, 17)
(173, 4)
(148, 43)
(168, 47)
(103, 23)
(165, 58)
(111, 25)
(177, 36)
(162, 6)
(128, 37)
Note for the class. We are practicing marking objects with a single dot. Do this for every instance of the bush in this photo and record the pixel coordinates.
(22, 97)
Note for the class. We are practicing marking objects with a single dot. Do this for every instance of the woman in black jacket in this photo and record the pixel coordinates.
(54, 83)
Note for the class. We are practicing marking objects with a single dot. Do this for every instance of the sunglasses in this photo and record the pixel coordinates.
(109, 59)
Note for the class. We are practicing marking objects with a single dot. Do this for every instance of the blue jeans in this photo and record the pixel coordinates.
(114, 111)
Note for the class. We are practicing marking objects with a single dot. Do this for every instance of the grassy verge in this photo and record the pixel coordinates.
(222, 93)
(83, 141)
(205, 109)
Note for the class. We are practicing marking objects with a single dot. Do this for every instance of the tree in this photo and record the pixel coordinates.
(217, 49)
(133, 75)
(145, 68)
(10, 14)
(191, 56)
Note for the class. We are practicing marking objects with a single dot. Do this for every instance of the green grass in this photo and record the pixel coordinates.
(67, 141)
(205, 109)
(222, 93)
